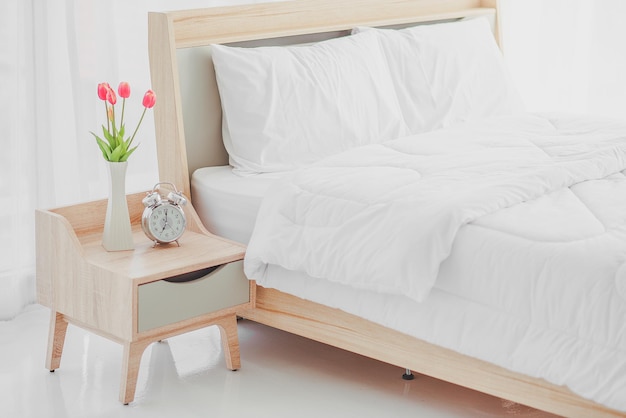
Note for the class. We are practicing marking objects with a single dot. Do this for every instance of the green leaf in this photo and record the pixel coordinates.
(104, 147)
(123, 149)
(108, 137)
(117, 153)
(130, 151)
(115, 148)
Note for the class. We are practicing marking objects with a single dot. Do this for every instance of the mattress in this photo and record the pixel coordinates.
(484, 302)
(227, 203)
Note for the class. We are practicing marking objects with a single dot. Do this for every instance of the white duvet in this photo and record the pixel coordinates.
(384, 217)
(550, 251)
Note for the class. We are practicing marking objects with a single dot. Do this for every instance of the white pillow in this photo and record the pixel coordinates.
(284, 107)
(448, 73)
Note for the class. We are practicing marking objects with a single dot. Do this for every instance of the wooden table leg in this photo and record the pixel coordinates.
(230, 341)
(130, 369)
(56, 339)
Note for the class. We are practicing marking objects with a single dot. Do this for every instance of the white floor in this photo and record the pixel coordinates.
(282, 375)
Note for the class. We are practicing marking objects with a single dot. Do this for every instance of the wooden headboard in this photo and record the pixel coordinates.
(188, 117)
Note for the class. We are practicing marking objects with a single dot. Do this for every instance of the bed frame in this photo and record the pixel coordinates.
(188, 130)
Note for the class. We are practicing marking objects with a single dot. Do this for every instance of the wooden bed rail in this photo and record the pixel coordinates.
(278, 19)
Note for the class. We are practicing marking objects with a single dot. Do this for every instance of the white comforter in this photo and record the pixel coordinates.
(385, 218)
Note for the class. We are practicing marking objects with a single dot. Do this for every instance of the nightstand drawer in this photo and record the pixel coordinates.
(163, 302)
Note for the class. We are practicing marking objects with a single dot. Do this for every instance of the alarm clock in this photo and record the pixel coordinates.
(163, 221)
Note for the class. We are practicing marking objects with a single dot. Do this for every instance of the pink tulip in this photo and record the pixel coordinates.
(103, 89)
(124, 90)
(111, 97)
(114, 137)
(149, 99)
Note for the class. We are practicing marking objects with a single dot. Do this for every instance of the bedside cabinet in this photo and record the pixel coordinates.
(139, 296)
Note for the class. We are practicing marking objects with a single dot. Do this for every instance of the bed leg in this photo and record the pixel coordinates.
(408, 375)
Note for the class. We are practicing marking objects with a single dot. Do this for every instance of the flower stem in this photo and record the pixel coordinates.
(137, 128)
(106, 112)
(123, 106)
(113, 121)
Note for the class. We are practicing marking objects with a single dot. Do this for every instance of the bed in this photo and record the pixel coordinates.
(192, 154)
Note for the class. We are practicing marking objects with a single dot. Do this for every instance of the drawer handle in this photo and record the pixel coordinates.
(192, 275)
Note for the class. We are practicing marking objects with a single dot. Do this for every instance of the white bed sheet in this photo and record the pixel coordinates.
(483, 304)
(228, 203)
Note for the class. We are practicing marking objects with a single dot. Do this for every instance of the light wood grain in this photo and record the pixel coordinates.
(174, 31)
(230, 341)
(273, 20)
(339, 329)
(68, 284)
(56, 340)
(131, 360)
(86, 286)
(171, 150)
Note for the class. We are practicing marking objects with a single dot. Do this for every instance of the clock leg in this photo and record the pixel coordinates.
(56, 339)
(130, 369)
(230, 341)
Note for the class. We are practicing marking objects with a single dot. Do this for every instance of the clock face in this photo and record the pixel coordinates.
(166, 223)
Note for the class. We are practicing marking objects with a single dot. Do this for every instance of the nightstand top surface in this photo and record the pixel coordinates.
(148, 263)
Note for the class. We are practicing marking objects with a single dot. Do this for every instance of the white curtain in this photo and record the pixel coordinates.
(53, 54)
(564, 55)
(18, 156)
(568, 55)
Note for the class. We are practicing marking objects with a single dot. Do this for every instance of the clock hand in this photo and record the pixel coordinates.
(165, 224)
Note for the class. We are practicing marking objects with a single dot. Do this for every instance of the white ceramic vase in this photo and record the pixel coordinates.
(117, 234)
